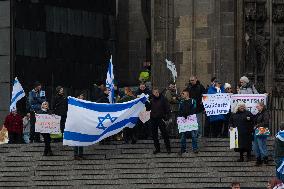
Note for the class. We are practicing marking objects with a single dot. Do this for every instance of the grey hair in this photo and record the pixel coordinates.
(239, 104)
(244, 79)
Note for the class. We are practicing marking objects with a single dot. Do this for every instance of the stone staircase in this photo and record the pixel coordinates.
(121, 165)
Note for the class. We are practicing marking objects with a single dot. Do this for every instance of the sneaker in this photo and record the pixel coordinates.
(195, 151)
(50, 153)
(156, 151)
(78, 158)
(240, 160)
(181, 153)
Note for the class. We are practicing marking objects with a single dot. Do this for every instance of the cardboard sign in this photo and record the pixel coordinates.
(250, 101)
(187, 124)
(46, 123)
(216, 104)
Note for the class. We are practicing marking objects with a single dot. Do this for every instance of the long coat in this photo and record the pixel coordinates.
(245, 128)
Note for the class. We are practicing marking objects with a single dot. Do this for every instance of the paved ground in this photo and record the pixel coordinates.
(128, 166)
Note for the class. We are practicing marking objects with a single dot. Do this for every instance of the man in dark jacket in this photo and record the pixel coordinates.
(61, 106)
(196, 90)
(142, 89)
(159, 110)
(187, 108)
(104, 98)
(35, 99)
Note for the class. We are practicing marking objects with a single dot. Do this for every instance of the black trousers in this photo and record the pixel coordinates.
(15, 138)
(62, 123)
(47, 140)
(159, 123)
(129, 134)
(33, 135)
(216, 128)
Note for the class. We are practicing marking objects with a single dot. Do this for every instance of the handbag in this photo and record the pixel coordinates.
(262, 131)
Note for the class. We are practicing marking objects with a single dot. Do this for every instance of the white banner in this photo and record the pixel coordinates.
(46, 123)
(234, 143)
(216, 104)
(250, 101)
(187, 124)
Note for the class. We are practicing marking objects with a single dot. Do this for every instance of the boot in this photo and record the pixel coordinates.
(258, 161)
(241, 157)
(156, 151)
(265, 160)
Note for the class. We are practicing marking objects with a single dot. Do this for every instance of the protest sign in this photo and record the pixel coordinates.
(216, 104)
(250, 101)
(234, 143)
(187, 124)
(144, 116)
(46, 123)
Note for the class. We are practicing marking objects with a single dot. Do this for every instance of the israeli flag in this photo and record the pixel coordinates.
(109, 81)
(17, 93)
(88, 122)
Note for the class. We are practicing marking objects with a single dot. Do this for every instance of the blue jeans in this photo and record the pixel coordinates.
(194, 135)
(278, 162)
(259, 146)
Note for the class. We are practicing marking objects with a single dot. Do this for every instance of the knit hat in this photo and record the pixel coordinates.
(227, 85)
(244, 79)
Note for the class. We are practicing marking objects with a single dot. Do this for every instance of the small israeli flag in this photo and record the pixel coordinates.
(89, 122)
(17, 93)
(109, 81)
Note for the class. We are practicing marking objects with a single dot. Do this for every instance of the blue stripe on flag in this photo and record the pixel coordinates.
(68, 135)
(104, 107)
(16, 96)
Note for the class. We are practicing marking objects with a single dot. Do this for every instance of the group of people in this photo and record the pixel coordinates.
(161, 104)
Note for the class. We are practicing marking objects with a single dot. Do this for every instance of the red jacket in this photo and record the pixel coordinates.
(14, 123)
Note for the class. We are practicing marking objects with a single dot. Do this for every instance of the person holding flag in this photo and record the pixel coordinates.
(13, 121)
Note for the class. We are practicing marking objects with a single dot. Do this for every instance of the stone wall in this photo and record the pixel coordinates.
(4, 58)
(198, 35)
(132, 35)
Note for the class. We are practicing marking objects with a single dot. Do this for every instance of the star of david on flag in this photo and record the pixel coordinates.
(89, 122)
(102, 119)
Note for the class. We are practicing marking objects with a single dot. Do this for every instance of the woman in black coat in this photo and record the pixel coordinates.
(61, 107)
(242, 120)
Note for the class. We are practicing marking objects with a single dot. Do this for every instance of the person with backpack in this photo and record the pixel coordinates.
(188, 107)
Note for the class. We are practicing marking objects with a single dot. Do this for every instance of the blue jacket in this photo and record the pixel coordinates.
(35, 101)
(213, 90)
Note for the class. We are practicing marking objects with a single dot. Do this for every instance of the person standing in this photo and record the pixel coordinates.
(187, 108)
(196, 90)
(26, 128)
(242, 120)
(46, 136)
(216, 121)
(159, 110)
(79, 150)
(35, 99)
(128, 133)
(61, 106)
(246, 86)
(261, 125)
(14, 124)
(279, 151)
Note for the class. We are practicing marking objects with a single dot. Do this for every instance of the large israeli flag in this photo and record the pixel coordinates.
(109, 81)
(17, 93)
(88, 122)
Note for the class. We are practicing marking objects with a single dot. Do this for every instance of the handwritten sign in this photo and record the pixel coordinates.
(216, 104)
(250, 101)
(144, 116)
(46, 123)
(187, 124)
